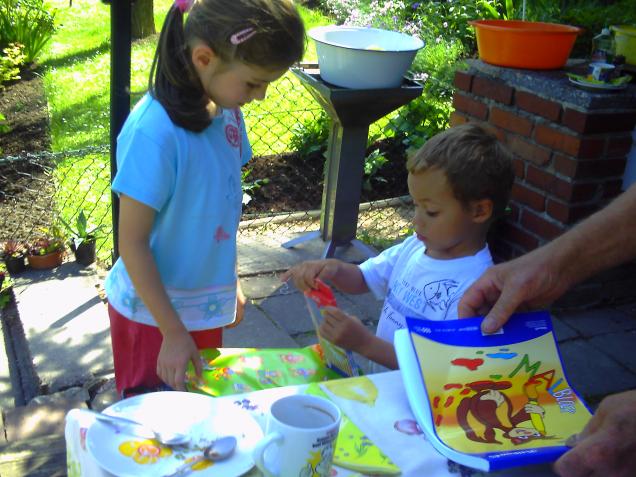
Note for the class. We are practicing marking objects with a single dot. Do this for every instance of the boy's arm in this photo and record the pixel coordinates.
(346, 277)
(349, 332)
(135, 224)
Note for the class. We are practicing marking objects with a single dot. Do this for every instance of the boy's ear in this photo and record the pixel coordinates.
(481, 210)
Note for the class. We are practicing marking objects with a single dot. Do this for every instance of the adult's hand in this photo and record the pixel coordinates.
(607, 445)
(531, 281)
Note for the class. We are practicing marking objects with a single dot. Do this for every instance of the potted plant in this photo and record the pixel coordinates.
(13, 255)
(46, 251)
(84, 239)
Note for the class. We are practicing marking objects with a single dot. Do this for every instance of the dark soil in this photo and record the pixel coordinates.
(289, 182)
(24, 106)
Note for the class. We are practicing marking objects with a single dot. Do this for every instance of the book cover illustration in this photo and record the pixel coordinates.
(336, 358)
(502, 398)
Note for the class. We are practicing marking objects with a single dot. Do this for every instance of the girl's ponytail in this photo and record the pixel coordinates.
(173, 81)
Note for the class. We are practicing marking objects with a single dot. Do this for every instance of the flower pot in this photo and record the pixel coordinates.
(85, 252)
(50, 260)
(15, 265)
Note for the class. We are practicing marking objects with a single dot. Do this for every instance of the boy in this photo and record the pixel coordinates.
(460, 182)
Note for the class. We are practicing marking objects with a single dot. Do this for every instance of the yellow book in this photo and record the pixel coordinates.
(490, 401)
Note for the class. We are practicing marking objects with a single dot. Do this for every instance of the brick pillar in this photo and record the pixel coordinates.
(570, 147)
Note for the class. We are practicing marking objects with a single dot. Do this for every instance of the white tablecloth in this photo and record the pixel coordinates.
(386, 420)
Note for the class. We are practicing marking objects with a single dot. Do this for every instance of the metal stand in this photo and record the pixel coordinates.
(351, 111)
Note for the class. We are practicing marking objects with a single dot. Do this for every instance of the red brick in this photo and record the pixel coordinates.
(612, 188)
(495, 131)
(497, 90)
(588, 169)
(519, 168)
(520, 237)
(573, 192)
(565, 165)
(457, 118)
(568, 214)
(598, 123)
(537, 105)
(618, 146)
(529, 150)
(510, 121)
(466, 104)
(573, 145)
(544, 228)
(463, 80)
(531, 198)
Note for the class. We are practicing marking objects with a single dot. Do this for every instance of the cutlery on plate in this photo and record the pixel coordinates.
(165, 437)
(220, 449)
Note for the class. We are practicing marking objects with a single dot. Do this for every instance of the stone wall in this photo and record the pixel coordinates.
(570, 148)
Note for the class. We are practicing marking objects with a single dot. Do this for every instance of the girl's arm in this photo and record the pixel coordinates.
(177, 348)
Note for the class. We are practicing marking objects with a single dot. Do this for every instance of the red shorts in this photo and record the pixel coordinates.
(136, 348)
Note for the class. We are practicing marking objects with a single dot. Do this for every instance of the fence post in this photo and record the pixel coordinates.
(120, 46)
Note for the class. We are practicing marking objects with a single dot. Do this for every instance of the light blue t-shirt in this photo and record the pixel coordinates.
(193, 181)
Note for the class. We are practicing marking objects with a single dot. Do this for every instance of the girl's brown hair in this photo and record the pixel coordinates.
(278, 42)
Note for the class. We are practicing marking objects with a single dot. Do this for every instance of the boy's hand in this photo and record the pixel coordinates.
(304, 274)
(177, 349)
(344, 330)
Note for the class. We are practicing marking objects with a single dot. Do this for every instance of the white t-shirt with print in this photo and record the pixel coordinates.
(416, 285)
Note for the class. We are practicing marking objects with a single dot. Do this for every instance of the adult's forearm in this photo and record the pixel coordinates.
(605, 239)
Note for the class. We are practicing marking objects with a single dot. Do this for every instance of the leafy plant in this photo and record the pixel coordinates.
(372, 164)
(4, 127)
(310, 136)
(13, 249)
(81, 232)
(11, 61)
(26, 22)
(51, 240)
(249, 187)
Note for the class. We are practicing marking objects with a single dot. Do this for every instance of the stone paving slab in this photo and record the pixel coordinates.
(607, 320)
(592, 372)
(620, 346)
(27, 422)
(257, 330)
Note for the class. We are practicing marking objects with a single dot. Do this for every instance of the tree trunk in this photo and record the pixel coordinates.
(143, 20)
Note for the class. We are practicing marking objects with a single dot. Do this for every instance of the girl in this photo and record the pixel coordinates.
(179, 158)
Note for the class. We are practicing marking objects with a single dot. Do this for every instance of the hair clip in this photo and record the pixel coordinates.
(243, 35)
(184, 5)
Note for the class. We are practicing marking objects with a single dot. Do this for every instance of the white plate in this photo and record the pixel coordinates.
(202, 417)
(605, 87)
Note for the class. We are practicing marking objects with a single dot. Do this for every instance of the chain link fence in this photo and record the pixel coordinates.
(282, 184)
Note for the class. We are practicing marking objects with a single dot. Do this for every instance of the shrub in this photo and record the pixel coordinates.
(11, 61)
(311, 136)
(26, 22)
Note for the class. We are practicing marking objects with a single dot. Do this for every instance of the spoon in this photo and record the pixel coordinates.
(220, 449)
(165, 437)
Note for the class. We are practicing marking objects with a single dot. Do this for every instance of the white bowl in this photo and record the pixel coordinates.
(363, 58)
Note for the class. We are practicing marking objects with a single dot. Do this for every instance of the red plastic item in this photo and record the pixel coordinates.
(521, 44)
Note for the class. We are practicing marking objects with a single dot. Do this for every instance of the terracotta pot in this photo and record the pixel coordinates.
(15, 265)
(50, 260)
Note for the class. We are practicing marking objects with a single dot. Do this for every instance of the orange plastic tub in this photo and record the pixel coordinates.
(521, 44)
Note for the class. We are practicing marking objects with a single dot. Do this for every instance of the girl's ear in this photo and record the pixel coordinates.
(203, 56)
(481, 210)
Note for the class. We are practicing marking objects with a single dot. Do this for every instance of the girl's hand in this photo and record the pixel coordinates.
(304, 274)
(344, 330)
(176, 350)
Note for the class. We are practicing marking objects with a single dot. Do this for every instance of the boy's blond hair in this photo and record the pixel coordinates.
(476, 164)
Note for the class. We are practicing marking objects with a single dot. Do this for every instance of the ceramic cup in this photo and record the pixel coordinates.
(300, 437)
(601, 71)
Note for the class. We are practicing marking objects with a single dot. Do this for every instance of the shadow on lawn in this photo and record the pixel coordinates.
(69, 59)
